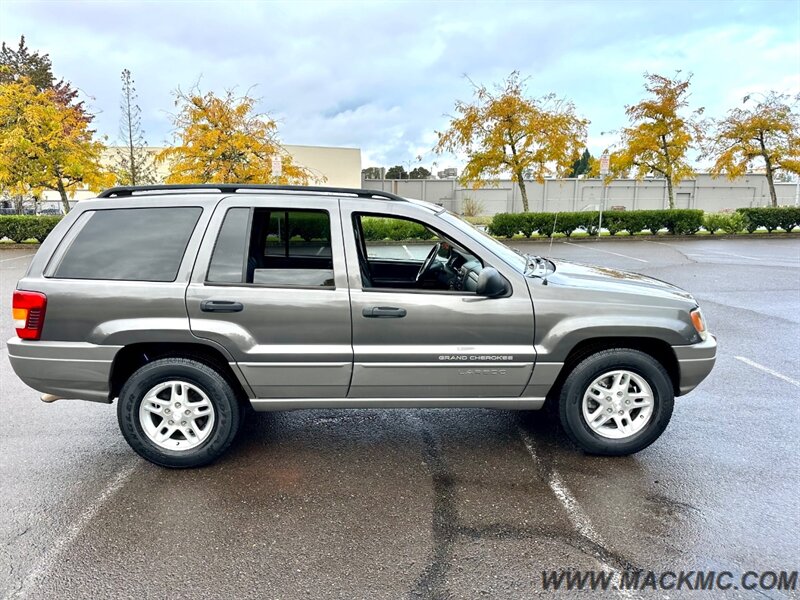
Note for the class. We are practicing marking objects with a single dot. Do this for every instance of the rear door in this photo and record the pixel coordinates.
(270, 286)
(423, 343)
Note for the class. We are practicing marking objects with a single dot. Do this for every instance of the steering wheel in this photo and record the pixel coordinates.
(426, 265)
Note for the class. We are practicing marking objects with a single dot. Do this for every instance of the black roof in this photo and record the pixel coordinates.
(232, 188)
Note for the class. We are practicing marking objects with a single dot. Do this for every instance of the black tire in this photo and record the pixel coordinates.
(578, 381)
(226, 406)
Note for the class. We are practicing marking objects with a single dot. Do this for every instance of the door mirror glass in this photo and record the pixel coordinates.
(491, 284)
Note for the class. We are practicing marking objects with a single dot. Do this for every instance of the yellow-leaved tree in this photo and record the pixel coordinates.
(221, 139)
(661, 134)
(765, 131)
(46, 144)
(503, 131)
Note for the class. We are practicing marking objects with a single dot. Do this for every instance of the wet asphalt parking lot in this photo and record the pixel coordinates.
(428, 503)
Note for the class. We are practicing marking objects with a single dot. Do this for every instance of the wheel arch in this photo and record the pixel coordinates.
(653, 347)
(134, 356)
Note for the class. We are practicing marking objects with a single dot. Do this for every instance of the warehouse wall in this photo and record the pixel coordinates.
(705, 192)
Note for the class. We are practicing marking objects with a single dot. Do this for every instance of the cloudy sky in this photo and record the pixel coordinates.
(382, 76)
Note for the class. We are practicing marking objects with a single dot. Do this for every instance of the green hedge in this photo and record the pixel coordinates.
(377, 229)
(19, 228)
(309, 226)
(785, 217)
(727, 222)
(676, 221)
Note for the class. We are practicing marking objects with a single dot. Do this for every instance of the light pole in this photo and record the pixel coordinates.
(605, 161)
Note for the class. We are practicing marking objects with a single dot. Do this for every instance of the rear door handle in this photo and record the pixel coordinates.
(383, 312)
(221, 306)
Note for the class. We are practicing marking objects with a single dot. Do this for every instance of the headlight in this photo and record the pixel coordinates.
(699, 323)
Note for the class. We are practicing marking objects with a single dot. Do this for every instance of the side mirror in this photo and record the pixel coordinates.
(491, 284)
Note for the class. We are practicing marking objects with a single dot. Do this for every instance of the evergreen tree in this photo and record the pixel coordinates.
(419, 173)
(133, 163)
(582, 166)
(396, 172)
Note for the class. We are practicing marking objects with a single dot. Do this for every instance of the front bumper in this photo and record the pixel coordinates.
(695, 363)
(64, 369)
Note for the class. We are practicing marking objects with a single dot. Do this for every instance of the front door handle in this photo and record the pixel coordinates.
(221, 306)
(383, 312)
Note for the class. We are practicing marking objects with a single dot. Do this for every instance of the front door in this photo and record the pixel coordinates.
(427, 334)
(271, 288)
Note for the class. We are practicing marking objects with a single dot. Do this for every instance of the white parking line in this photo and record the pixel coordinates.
(16, 257)
(770, 261)
(588, 245)
(408, 251)
(780, 376)
(579, 519)
(47, 560)
(707, 252)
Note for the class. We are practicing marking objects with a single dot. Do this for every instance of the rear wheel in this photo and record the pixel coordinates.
(616, 402)
(179, 413)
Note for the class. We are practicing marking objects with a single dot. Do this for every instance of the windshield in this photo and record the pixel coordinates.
(509, 255)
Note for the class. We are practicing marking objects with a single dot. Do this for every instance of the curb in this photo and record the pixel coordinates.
(14, 246)
(651, 238)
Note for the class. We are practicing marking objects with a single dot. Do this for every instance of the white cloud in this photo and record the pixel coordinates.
(382, 76)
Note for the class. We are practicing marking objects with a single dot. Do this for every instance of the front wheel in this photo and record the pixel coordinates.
(616, 402)
(178, 413)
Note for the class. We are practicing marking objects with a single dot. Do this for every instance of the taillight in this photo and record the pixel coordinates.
(27, 310)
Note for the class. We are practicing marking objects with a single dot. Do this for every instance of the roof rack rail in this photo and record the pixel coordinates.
(232, 188)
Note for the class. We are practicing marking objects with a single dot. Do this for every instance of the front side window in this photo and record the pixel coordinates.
(274, 247)
(130, 244)
(396, 238)
(510, 256)
(402, 253)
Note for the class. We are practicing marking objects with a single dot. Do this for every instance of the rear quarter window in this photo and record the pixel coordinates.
(130, 244)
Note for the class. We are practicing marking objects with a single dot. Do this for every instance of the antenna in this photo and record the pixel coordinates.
(552, 233)
(550, 251)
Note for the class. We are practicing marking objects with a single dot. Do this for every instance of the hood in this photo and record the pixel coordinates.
(576, 275)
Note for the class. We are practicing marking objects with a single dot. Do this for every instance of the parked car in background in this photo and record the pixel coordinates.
(51, 211)
(189, 304)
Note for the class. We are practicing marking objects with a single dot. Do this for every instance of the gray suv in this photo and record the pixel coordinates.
(194, 304)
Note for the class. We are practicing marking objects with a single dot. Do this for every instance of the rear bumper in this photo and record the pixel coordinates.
(695, 363)
(65, 369)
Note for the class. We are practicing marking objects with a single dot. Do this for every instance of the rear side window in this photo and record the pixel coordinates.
(130, 244)
(227, 262)
(294, 234)
(274, 247)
